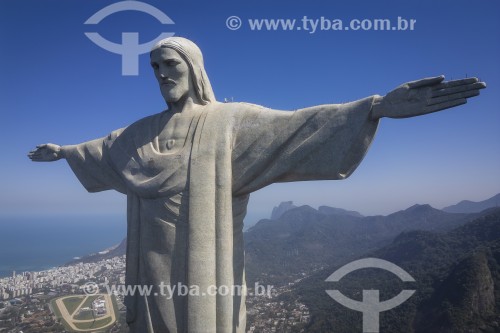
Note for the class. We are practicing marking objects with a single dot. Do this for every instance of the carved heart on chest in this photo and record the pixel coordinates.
(170, 144)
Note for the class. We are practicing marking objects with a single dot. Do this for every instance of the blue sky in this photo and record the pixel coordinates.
(57, 86)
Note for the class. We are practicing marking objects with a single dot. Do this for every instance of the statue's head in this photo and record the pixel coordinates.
(178, 66)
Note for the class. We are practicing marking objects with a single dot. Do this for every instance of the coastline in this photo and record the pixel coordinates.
(31, 243)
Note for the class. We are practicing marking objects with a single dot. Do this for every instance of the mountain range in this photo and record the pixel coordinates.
(303, 238)
(457, 276)
(467, 206)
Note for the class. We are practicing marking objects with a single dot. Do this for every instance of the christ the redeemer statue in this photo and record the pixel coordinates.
(188, 173)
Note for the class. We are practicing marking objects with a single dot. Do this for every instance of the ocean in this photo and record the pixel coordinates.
(35, 244)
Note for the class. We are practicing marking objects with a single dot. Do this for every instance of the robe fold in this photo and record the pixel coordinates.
(185, 208)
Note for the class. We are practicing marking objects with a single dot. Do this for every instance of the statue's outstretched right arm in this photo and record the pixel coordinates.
(47, 152)
(90, 161)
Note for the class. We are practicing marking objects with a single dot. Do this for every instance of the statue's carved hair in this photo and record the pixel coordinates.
(191, 53)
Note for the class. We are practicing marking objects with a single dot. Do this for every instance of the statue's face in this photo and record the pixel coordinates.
(172, 73)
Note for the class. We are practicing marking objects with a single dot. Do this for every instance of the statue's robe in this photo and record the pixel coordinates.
(185, 209)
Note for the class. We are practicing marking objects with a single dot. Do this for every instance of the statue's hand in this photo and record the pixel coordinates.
(46, 153)
(425, 96)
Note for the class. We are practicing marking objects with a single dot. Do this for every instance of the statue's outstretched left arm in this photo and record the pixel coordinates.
(425, 96)
(47, 152)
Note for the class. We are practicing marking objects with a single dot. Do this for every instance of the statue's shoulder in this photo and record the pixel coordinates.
(137, 128)
(239, 108)
(146, 121)
(143, 123)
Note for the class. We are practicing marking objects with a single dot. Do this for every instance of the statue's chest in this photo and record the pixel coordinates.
(175, 134)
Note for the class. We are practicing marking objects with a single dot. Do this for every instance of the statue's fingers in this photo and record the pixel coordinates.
(458, 89)
(430, 81)
(445, 105)
(451, 97)
(454, 83)
(37, 156)
(36, 151)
